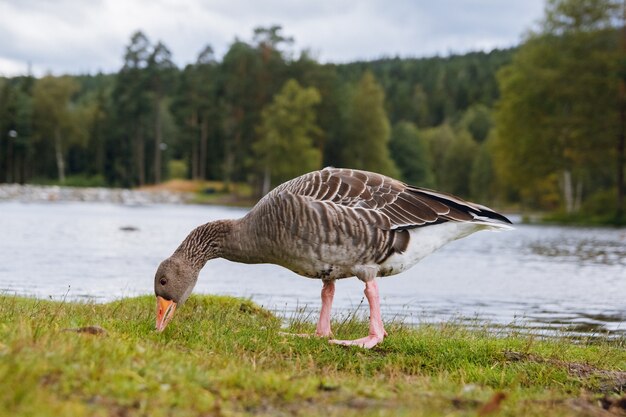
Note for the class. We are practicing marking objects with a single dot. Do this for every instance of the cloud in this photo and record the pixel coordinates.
(73, 36)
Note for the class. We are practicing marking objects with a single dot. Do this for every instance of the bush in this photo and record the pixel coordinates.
(600, 203)
(597, 209)
(85, 181)
(177, 169)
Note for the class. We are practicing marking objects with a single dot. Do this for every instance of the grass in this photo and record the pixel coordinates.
(209, 192)
(584, 219)
(202, 192)
(223, 356)
(80, 180)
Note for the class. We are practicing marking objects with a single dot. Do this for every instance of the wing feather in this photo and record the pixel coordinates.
(383, 201)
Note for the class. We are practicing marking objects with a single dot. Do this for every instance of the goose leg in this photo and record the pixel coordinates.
(377, 330)
(323, 325)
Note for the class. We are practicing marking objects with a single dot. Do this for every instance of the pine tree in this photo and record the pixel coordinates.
(410, 153)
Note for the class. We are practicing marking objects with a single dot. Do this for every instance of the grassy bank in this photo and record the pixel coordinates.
(226, 357)
(209, 192)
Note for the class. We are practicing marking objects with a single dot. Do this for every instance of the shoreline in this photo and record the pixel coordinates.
(309, 315)
(29, 193)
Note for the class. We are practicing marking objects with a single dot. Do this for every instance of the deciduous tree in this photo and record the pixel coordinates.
(367, 130)
(57, 120)
(558, 113)
(285, 147)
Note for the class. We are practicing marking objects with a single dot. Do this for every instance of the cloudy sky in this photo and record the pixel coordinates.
(78, 36)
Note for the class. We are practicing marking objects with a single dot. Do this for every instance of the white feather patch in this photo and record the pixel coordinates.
(426, 240)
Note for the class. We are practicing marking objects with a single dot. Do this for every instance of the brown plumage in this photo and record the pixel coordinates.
(330, 224)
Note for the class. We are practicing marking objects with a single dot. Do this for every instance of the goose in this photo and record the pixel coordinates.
(329, 224)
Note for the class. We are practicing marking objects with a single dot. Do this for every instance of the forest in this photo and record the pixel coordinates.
(539, 127)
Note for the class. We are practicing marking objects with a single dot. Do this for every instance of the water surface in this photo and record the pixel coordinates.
(538, 277)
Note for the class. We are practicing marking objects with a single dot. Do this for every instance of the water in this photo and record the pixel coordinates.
(538, 277)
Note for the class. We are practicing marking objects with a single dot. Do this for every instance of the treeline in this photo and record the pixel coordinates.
(222, 119)
(539, 124)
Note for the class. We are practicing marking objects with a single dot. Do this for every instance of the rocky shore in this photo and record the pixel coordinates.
(43, 193)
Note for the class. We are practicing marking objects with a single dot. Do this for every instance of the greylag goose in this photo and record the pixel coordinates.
(328, 224)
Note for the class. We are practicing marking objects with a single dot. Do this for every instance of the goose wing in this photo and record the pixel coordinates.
(388, 203)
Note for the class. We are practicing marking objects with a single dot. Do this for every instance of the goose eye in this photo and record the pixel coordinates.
(163, 281)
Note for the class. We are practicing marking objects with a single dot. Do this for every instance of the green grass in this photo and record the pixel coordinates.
(238, 195)
(584, 219)
(80, 180)
(222, 356)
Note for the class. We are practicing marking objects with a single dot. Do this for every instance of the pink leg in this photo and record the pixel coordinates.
(377, 330)
(323, 325)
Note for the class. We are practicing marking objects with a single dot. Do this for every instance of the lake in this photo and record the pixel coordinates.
(541, 278)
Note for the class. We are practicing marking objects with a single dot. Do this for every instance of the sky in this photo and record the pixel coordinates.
(88, 36)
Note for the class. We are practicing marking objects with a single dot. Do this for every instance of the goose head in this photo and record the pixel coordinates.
(173, 283)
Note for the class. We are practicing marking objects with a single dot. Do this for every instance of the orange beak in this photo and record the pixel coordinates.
(165, 312)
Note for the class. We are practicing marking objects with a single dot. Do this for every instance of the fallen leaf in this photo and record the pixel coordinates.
(492, 405)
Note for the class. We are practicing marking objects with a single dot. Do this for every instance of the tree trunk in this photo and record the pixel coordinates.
(228, 167)
(100, 150)
(204, 134)
(158, 139)
(267, 181)
(28, 165)
(139, 157)
(578, 198)
(19, 168)
(568, 192)
(621, 158)
(9, 167)
(58, 151)
(231, 147)
(195, 169)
